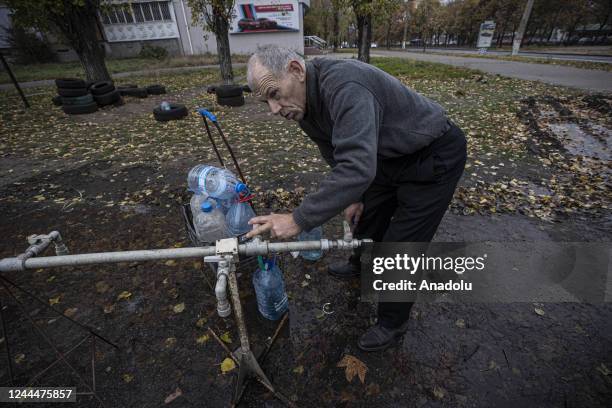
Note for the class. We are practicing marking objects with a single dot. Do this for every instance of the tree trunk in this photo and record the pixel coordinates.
(405, 34)
(516, 45)
(336, 27)
(223, 49)
(80, 27)
(364, 34)
(388, 39)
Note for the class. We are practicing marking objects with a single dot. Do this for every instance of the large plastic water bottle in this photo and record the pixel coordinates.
(312, 235)
(196, 203)
(224, 205)
(237, 218)
(269, 286)
(210, 223)
(216, 182)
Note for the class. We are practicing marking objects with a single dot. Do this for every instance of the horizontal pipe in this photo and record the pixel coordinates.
(249, 249)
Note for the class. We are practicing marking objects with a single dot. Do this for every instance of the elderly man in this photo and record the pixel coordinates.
(395, 157)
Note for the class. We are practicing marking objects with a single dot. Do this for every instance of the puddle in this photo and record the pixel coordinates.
(579, 142)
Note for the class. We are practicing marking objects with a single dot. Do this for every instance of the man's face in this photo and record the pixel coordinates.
(286, 96)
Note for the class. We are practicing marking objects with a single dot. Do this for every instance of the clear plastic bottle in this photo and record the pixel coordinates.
(312, 235)
(269, 286)
(210, 223)
(216, 182)
(196, 203)
(237, 218)
(224, 205)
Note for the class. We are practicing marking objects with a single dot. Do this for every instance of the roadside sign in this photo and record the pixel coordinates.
(485, 36)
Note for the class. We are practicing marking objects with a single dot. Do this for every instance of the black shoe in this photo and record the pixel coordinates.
(344, 270)
(379, 337)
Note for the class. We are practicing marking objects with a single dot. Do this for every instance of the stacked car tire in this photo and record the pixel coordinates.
(229, 95)
(74, 96)
(105, 93)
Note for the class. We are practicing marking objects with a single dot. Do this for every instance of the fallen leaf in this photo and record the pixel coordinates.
(70, 311)
(179, 308)
(373, 389)
(539, 311)
(170, 342)
(55, 300)
(603, 369)
(227, 365)
(19, 358)
(298, 370)
(124, 295)
(201, 322)
(226, 337)
(439, 392)
(353, 366)
(202, 339)
(460, 323)
(109, 308)
(102, 287)
(127, 377)
(170, 262)
(177, 393)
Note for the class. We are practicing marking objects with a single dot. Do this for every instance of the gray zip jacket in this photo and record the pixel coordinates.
(358, 114)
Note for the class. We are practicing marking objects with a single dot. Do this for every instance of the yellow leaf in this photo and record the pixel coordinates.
(201, 322)
(353, 366)
(128, 378)
(227, 365)
(170, 262)
(179, 308)
(202, 339)
(109, 308)
(226, 337)
(55, 300)
(299, 370)
(124, 295)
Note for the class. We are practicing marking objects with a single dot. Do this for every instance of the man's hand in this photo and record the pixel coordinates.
(280, 226)
(352, 214)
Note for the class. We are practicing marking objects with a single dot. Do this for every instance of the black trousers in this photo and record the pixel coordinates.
(408, 199)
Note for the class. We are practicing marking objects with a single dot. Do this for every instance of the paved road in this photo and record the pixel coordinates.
(586, 79)
(529, 54)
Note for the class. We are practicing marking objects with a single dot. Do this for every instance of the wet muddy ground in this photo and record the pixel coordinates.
(120, 191)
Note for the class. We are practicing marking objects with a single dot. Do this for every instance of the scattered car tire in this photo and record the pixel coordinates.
(211, 89)
(156, 89)
(80, 109)
(135, 92)
(70, 83)
(231, 100)
(177, 111)
(102, 87)
(226, 91)
(72, 92)
(107, 98)
(246, 88)
(57, 100)
(77, 100)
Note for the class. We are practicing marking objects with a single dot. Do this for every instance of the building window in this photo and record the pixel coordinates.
(137, 12)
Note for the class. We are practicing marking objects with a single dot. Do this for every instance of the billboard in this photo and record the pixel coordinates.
(265, 16)
(485, 36)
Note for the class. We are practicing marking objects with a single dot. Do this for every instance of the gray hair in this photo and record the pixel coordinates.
(272, 57)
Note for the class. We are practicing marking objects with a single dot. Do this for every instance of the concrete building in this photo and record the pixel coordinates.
(127, 26)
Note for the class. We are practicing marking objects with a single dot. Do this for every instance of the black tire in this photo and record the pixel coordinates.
(57, 100)
(156, 89)
(79, 109)
(88, 84)
(177, 111)
(78, 100)
(70, 83)
(231, 101)
(136, 92)
(102, 87)
(211, 89)
(226, 91)
(246, 88)
(72, 92)
(107, 98)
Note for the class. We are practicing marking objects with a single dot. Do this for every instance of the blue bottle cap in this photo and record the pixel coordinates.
(206, 207)
(241, 187)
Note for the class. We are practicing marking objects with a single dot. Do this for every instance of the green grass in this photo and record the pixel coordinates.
(34, 72)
